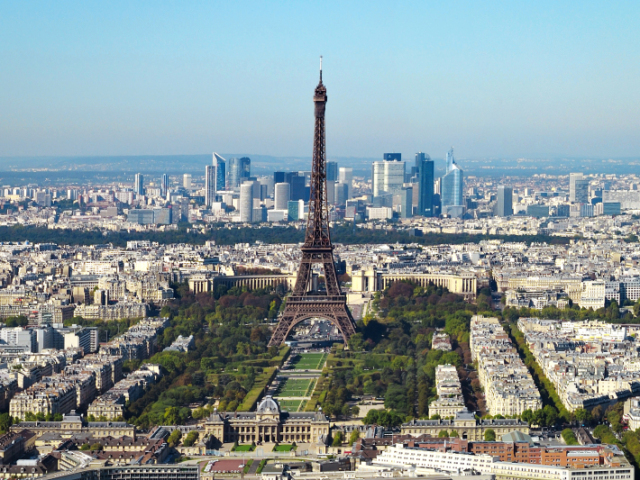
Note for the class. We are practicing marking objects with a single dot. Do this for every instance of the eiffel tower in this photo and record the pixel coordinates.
(304, 303)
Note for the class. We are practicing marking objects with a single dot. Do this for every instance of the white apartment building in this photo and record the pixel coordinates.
(454, 463)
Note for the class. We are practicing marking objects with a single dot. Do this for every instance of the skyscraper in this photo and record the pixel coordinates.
(425, 168)
(221, 178)
(345, 176)
(138, 184)
(406, 202)
(186, 181)
(298, 188)
(332, 172)
(504, 203)
(239, 171)
(278, 177)
(164, 187)
(246, 202)
(452, 187)
(281, 196)
(209, 185)
(388, 175)
(578, 188)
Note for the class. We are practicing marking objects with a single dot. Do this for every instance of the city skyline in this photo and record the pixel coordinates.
(492, 81)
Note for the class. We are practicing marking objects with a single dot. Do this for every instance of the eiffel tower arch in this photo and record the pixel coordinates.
(304, 303)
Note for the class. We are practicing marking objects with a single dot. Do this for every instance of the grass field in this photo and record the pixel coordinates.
(294, 387)
(283, 448)
(310, 361)
(243, 448)
(290, 405)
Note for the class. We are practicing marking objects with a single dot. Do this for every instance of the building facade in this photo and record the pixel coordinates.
(268, 424)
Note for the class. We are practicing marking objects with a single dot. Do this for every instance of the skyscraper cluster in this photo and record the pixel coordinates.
(413, 191)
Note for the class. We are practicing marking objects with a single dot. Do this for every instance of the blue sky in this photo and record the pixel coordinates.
(493, 79)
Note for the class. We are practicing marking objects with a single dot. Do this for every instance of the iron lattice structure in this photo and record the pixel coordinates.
(304, 303)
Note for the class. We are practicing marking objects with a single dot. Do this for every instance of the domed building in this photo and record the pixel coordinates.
(269, 424)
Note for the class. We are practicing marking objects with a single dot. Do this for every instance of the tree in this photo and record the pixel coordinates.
(337, 439)
(174, 438)
(355, 435)
(490, 435)
(569, 437)
(538, 417)
(97, 446)
(191, 438)
(443, 434)
(597, 413)
(582, 415)
(5, 422)
(527, 416)
(550, 415)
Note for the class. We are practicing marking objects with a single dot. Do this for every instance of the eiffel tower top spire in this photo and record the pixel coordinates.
(318, 219)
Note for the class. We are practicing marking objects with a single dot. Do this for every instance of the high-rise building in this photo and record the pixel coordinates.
(452, 187)
(425, 182)
(164, 187)
(388, 175)
(246, 202)
(281, 196)
(341, 193)
(295, 210)
(405, 202)
(345, 175)
(278, 177)
(239, 171)
(221, 178)
(267, 187)
(332, 171)
(138, 184)
(504, 203)
(331, 192)
(578, 188)
(209, 185)
(186, 181)
(298, 186)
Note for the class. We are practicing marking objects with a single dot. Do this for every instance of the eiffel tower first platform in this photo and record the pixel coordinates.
(303, 303)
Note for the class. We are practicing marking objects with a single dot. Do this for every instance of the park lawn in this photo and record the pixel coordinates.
(243, 448)
(283, 448)
(290, 405)
(310, 361)
(295, 388)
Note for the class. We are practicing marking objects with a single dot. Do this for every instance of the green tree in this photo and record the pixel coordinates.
(191, 438)
(337, 439)
(443, 434)
(490, 435)
(569, 437)
(550, 415)
(538, 418)
(5, 422)
(527, 416)
(582, 415)
(174, 438)
(355, 435)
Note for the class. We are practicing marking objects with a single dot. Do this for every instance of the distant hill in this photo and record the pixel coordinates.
(55, 169)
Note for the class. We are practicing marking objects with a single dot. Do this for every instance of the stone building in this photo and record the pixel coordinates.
(465, 425)
(268, 424)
